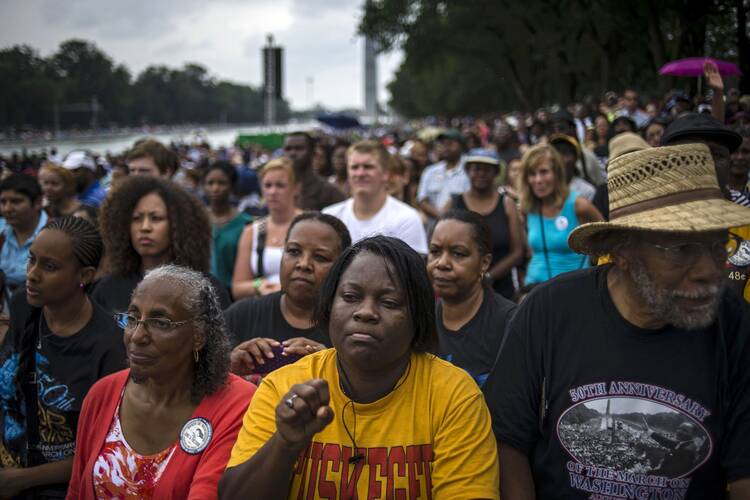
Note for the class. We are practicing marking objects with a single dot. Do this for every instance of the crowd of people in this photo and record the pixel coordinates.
(412, 312)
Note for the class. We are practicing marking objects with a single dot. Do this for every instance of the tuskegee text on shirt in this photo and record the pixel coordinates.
(331, 470)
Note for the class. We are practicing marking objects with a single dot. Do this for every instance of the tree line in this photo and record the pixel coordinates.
(80, 86)
(468, 57)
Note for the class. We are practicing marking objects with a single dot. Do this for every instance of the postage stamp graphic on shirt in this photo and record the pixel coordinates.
(627, 439)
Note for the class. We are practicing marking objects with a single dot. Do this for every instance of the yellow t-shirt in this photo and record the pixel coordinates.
(429, 438)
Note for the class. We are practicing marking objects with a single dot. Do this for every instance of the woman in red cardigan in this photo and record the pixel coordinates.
(165, 427)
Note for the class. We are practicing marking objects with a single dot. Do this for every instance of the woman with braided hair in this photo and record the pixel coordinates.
(60, 343)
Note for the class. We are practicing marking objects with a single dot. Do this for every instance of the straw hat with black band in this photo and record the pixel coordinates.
(667, 189)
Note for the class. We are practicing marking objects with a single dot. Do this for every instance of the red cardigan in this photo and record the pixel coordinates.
(187, 476)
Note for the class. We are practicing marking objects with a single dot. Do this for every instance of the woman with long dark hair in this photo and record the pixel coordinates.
(61, 342)
(148, 222)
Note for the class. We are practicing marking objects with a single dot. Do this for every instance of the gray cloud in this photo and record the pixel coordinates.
(131, 19)
(225, 36)
(314, 8)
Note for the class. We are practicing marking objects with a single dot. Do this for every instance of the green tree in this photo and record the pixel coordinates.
(88, 76)
(190, 94)
(152, 89)
(511, 55)
(741, 9)
(27, 89)
(42, 93)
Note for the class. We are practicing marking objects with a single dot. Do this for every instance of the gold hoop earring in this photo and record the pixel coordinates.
(196, 356)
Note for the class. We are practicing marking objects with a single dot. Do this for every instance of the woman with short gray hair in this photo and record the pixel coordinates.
(164, 427)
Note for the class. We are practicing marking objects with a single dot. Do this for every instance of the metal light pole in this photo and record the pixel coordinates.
(272, 79)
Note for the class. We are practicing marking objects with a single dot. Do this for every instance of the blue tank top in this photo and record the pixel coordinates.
(556, 230)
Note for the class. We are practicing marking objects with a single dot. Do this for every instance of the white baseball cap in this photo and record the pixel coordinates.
(79, 159)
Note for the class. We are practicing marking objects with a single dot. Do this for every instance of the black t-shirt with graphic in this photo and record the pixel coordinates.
(604, 409)
(66, 369)
(475, 345)
(261, 317)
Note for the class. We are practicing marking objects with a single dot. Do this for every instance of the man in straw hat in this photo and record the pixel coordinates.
(723, 143)
(601, 367)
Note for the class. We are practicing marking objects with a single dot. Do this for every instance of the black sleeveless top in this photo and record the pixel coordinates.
(497, 220)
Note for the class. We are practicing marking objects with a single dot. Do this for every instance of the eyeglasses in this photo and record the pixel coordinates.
(686, 254)
(129, 322)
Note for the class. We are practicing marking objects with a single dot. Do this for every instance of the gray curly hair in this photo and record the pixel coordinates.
(199, 297)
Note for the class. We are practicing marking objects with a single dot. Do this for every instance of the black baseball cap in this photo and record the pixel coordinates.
(701, 126)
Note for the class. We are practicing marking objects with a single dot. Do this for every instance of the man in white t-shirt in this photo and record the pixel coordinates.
(371, 210)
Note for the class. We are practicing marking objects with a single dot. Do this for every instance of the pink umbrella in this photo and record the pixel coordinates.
(693, 66)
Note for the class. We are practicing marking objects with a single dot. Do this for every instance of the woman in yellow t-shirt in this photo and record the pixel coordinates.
(376, 416)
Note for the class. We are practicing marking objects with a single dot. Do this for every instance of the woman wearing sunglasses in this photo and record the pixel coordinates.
(165, 427)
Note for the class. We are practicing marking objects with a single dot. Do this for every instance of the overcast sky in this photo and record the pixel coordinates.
(223, 35)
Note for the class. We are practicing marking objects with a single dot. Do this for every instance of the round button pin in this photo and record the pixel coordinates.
(195, 435)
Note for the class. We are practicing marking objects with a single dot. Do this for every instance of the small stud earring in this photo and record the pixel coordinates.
(81, 284)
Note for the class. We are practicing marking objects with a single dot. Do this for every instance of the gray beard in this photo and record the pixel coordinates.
(662, 303)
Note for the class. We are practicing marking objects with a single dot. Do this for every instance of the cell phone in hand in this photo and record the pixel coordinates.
(277, 361)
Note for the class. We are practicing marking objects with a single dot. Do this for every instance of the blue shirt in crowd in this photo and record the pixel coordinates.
(13, 256)
(438, 183)
(94, 195)
(554, 242)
